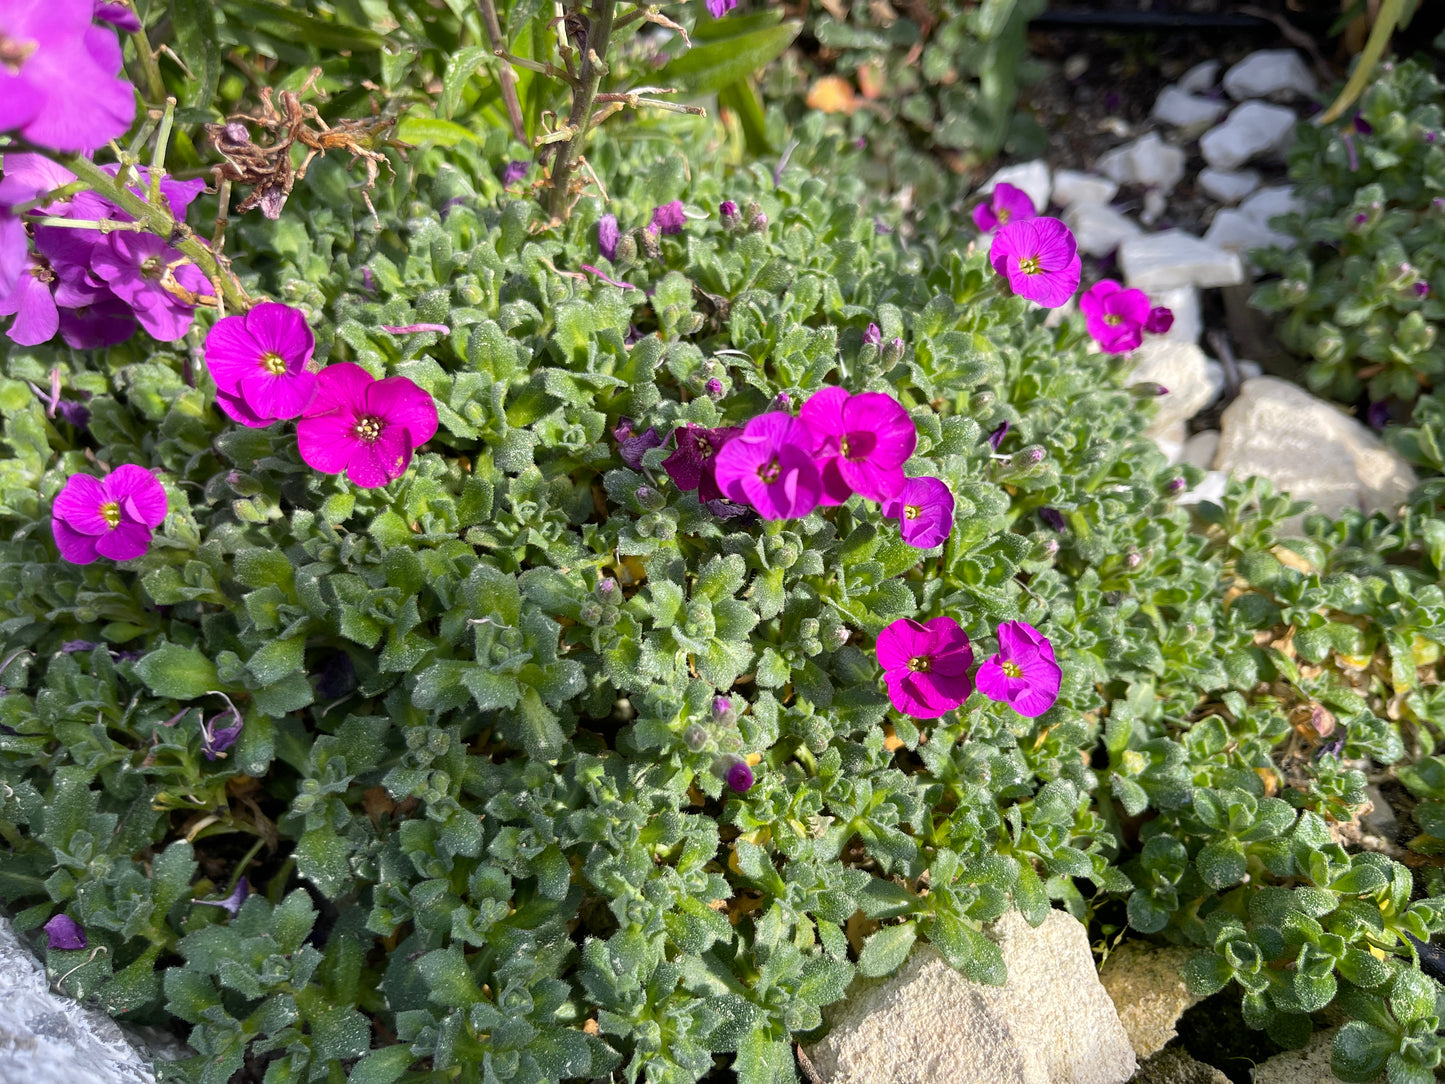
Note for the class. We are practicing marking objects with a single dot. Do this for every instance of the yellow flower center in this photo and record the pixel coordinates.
(770, 471)
(1113, 319)
(273, 363)
(1029, 265)
(1012, 669)
(13, 53)
(110, 512)
(919, 664)
(1002, 216)
(368, 428)
(911, 511)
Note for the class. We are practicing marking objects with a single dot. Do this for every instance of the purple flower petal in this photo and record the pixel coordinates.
(65, 934)
(925, 665)
(770, 467)
(1024, 674)
(607, 236)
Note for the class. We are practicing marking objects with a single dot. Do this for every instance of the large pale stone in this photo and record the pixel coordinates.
(1270, 71)
(1201, 77)
(1271, 202)
(1148, 161)
(1098, 228)
(1308, 1066)
(1227, 185)
(1158, 261)
(1254, 129)
(1051, 1024)
(1184, 370)
(1201, 448)
(1310, 449)
(1235, 231)
(1071, 187)
(1147, 989)
(1033, 177)
(46, 1038)
(1185, 110)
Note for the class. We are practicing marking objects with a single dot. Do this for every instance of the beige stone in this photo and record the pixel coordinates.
(1174, 1066)
(1052, 1023)
(1183, 369)
(1145, 984)
(1308, 1066)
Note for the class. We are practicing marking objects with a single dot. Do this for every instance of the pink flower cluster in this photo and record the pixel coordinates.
(839, 445)
(94, 288)
(926, 667)
(1118, 318)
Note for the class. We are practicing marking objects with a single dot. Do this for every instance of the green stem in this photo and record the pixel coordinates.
(103, 225)
(150, 68)
(158, 160)
(593, 68)
(163, 224)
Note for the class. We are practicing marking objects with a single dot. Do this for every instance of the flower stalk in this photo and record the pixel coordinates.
(589, 78)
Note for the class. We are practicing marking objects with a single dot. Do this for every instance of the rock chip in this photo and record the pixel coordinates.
(47, 1038)
(1033, 177)
(1309, 449)
(1158, 261)
(1201, 448)
(1210, 489)
(1184, 370)
(1051, 1024)
(1226, 185)
(1270, 71)
(1201, 77)
(1173, 1066)
(1146, 986)
(1147, 161)
(1252, 130)
(1185, 110)
(1098, 228)
(1235, 231)
(1271, 202)
(1071, 187)
(1308, 1066)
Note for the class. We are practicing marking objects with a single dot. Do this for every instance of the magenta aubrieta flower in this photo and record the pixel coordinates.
(924, 511)
(258, 361)
(694, 464)
(861, 443)
(110, 517)
(719, 8)
(925, 665)
(221, 731)
(770, 468)
(1006, 204)
(364, 426)
(65, 933)
(138, 268)
(631, 444)
(1039, 258)
(1023, 674)
(1160, 320)
(1115, 316)
(607, 236)
(668, 218)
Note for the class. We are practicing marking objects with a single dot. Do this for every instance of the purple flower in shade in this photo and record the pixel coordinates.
(861, 443)
(694, 464)
(136, 267)
(70, 647)
(104, 322)
(1115, 316)
(925, 665)
(1039, 258)
(258, 361)
(719, 8)
(668, 218)
(1377, 414)
(1363, 126)
(1023, 674)
(872, 336)
(364, 426)
(728, 210)
(1052, 518)
(32, 304)
(73, 413)
(118, 15)
(739, 776)
(924, 511)
(514, 172)
(232, 903)
(770, 468)
(65, 933)
(631, 444)
(221, 732)
(59, 82)
(1422, 289)
(996, 437)
(1006, 204)
(1160, 320)
(110, 517)
(607, 236)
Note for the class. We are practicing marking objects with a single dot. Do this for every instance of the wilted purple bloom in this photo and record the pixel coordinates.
(725, 509)
(1007, 204)
(118, 15)
(70, 647)
(65, 933)
(719, 8)
(694, 464)
(631, 445)
(232, 903)
(221, 732)
(514, 172)
(605, 277)
(408, 329)
(668, 218)
(607, 236)
(1052, 517)
(996, 437)
(1039, 258)
(770, 467)
(1023, 674)
(924, 511)
(872, 336)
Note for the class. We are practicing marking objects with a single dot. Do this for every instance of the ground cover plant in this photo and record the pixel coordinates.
(456, 631)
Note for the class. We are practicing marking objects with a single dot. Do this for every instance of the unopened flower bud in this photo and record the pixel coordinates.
(1132, 560)
(694, 737)
(892, 352)
(626, 249)
(872, 336)
(735, 772)
(729, 211)
(1176, 485)
(980, 401)
(590, 613)
(722, 711)
(608, 590)
(714, 387)
(1147, 389)
(650, 498)
(783, 400)
(758, 223)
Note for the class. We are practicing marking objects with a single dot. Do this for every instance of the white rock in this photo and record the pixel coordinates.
(1171, 441)
(1309, 449)
(1158, 261)
(1033, 177)
(1147, 988)
(1252, 130)
(1184, 370)
(1098, 228)
(1184, 110)
(1147, 161)
(1248, 370)
(1234, 231)
(1210, 489)
(1199, 451)
(1183, 302)
(1051, 1024)
(1200, 78)
(1228, 186)
(1071, 187)
(1267, 203)
(1270, 71)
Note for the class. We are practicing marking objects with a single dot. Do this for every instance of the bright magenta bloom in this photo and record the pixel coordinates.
(769, 467)
(924, 511)
(1115, 316)
(1039, 258)
(258, 362)
(364, 426)
(1023, 674)
(925, 665)
(1161, 319)
(860, 441)
(110, 517)
(1007, 204)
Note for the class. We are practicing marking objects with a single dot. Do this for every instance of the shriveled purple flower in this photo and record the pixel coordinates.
(694, 464)
(872, 336)
(631, 444)
(605, 277)
(668, 218)
(1000, 431)
(259, 363)
(1039, 258)
(1023, 674)
(110, 517)
(146, 273)
(719, 8)
(924, 511)
(232, 903)
(728, 210)
(607, 236)
(1006, 204)
(364, 426)
(770, 468)
(1115, 316)
(861, 442)
(415, 329)
(1159, 320)
(221, 731)
(1052, 517)
(65, 934)
(925, 665)
(514, 172)
(70, 647)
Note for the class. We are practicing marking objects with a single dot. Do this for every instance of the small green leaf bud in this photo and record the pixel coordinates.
(982, 400)
(590, 613)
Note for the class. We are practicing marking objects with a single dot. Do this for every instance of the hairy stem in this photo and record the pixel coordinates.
(508, 76)
(150, 68)
(589, 76)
